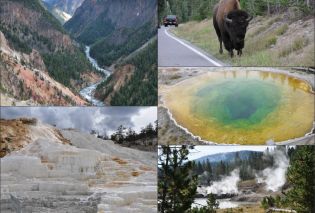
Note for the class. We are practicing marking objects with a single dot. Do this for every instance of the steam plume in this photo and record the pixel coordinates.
(275, 177)
(227, 185)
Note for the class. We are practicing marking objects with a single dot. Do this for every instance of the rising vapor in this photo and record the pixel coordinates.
(227, 185)
(275, 177)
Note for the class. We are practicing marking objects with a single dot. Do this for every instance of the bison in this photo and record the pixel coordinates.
(230, 23)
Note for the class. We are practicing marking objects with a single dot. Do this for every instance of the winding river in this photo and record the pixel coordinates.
(88, 92)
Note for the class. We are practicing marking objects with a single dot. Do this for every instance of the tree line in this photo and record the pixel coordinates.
(128, 134)
(248, 165)
(187, 10)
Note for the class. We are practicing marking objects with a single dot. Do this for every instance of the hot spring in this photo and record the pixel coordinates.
(242, 107)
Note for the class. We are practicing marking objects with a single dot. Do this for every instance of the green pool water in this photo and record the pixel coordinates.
(242, 107)
(239, 103)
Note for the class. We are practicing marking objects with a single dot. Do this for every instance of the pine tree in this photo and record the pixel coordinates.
(119, 136)
(212, 203)
(149, 130)
(301, 175)
(176, 186)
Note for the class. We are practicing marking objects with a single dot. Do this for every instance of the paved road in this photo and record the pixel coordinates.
(173, 51)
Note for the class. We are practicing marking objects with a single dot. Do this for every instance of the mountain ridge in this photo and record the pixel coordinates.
(226, 156)
(108, 26)
(63, 10)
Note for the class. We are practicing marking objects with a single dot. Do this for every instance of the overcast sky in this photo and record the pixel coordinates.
(201, 151)
(87, 118)
(204, 150)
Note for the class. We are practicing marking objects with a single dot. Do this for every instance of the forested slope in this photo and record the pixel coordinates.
(113, 28)
(27, 26)
(137, 89)
(39, 60)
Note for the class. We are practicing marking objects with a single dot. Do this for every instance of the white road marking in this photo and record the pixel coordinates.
(194, 50)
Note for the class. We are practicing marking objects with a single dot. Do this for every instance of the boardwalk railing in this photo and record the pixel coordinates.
(280, 210)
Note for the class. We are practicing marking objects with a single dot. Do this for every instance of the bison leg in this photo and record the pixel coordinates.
(217, 30)
(228, 44)
(231, 53)
(239, 52)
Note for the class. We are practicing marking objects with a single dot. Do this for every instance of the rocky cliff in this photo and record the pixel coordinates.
(63, 10)
(25, 77)
(34, 45)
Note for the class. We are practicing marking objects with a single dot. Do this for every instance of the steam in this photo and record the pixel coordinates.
(272, 177)
(227, 185)
(275, 177)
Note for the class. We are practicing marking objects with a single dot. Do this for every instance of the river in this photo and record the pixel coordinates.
(88, 92)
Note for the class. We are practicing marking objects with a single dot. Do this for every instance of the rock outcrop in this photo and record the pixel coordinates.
(113, 15)
(84, 175)
(23, 81)
(114, 83)
(63, 10)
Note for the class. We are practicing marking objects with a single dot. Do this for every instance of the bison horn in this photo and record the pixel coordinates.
(249, 18)
(226, 19)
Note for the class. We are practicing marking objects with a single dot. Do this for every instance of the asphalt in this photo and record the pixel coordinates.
(176, 52)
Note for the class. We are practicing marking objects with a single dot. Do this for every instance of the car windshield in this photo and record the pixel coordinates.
(171, 17)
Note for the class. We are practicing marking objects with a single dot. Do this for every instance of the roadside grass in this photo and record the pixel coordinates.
(297, 44)
(261, 43)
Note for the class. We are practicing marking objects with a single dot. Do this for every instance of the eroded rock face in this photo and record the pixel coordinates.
(36, 60)
(118, 79)
(116, 16)
(16, 14)
(85, 175)
(4, 43)
(18, 133)
(31, 41)
(67, 6)
(25, 77)
(14, 136)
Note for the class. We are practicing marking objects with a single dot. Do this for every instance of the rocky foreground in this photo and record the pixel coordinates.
(69, 171)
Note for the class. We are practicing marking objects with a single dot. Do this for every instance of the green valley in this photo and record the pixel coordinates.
(35, 41)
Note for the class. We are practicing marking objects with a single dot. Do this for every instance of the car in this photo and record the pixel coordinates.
(170, 20)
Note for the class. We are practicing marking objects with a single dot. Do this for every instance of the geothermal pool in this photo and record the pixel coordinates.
(242, 107)
(223, 203)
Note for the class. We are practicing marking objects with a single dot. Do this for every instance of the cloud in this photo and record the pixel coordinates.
(102, 119)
